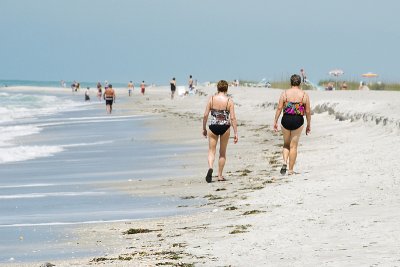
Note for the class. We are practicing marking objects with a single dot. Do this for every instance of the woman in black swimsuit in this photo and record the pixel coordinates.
(222, 117)
(295, 103)
(173, 87)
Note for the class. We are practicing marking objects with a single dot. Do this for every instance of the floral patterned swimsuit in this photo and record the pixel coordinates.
(220, 121)
(293, 113)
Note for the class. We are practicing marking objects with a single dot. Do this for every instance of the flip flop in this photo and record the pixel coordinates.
(209, 175)
(283, 169)
(222, 180)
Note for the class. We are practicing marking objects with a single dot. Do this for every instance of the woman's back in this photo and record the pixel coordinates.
(220, 102)
(294, 95)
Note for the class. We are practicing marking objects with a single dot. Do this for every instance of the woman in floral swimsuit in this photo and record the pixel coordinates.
(222, 117)
(295, 103)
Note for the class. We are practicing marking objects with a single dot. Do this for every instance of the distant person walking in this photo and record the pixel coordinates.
(87, 94)
(99, 94)
(173, 87)
(99, 91)
(73, 86)
(223, 117)
(190, 83)
(295, 103)
(142, 87)
(109, 97)
(303, 75)
(130, 88)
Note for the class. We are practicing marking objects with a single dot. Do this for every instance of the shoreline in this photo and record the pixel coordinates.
(257, 216)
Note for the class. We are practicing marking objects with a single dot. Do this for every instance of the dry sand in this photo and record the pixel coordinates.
(341, 209)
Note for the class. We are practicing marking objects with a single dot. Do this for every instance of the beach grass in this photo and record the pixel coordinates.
(351, 85)
(373, 85)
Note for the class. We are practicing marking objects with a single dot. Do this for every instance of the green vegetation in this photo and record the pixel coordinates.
(354, 85)
(351, 84)
(280, 84)
(385, 86)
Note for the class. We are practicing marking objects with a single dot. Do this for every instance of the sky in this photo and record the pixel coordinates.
(155, 40)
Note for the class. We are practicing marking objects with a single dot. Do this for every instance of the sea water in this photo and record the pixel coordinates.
(55, 152)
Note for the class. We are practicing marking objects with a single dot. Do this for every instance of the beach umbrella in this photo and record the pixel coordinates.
(336, 73)
(369, 75)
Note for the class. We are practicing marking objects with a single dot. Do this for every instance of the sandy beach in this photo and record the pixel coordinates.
(341, 209)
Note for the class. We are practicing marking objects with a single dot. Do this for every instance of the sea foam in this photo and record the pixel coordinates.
(20, 115)
(21, 153)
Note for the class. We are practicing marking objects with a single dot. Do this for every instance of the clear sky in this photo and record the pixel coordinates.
(154, 40)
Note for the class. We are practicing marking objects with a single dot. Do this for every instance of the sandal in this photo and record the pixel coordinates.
(209, 175)
(283, 169)
(222, 180)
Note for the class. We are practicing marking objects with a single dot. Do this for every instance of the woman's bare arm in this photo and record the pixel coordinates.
(308, 114)
(205, 117)
(233, 121)
(278, 112)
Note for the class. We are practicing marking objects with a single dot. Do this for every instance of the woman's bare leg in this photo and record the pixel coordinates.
(294, 141)
(212, 146)
(286, 144)
(224, 139)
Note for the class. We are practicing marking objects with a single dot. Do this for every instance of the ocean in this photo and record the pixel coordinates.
(55, 152)
(84, 84)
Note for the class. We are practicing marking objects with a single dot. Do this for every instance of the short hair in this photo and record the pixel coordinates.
(110, 86)
(222, 86)
(295, 80)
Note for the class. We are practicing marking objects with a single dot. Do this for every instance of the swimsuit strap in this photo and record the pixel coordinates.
(286, 96)
(303, 97)
(212, 98)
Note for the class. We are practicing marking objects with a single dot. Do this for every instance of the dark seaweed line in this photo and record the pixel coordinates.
(342, 116)
(366, 117)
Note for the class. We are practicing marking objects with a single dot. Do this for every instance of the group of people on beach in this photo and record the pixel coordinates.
(75, 86)
(294, 103)
(191, 86)
(131, 88)
(109, 93)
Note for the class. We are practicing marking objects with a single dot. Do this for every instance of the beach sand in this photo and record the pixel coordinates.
(341, 209)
